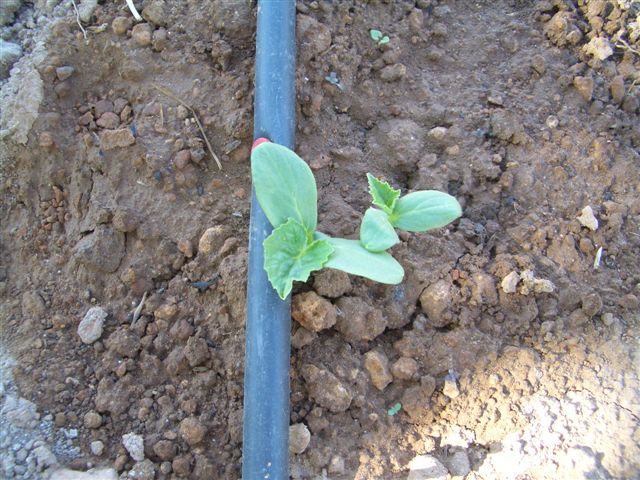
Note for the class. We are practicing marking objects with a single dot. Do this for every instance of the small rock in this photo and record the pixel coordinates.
(616, 87)
(405, 368)
(141, 34)
(108, 120)
(393, 73)
(160, 39)
(313, 37)
(91, 327)
(166, 311)
(143, 470)
(458, 464)
(313, 312)
(134, 444)
(538, 64)
(86, 9)
(331, 283)
(182, 159)
(598, 47)
(299, 438)
(125, 220)
(196, 351)
(85, 119)
(44, 457)
(438, 133)
(20, 412)
(416, 20)
(120, 25)
(541, 285)
(212, 239)
(93, 474)
(377, 365)
(9, 54)
(64, 72)
(450, 388)
(588, 219)
(97, 448)
(326, 389)
(608, 319)
(510, 282)
(165, 449)
(192, 431)
(302, 338)
(629, 301)
(92, 419)
(62, 89)
(120, 138)
(426, 467)
(584, 85)
(181, 465)
(552, 122)
(154, 13)
(359, 321)
(436, 302)
(592, 304)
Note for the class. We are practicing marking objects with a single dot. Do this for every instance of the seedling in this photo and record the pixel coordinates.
(378, 37)
(286, 191)
(333, 79)
(395, 408)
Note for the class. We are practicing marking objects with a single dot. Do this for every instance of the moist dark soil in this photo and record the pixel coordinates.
(510, 350)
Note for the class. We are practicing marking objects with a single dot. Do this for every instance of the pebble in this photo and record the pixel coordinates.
(120, 25)
(97, 448)
(326, 389)
(538, 64)
(302, 338)
(405, 368)
(588, 219)
(332, 283)
(108, 120)
(64, 72)
(166, 311)
(134, 444)
(143, 470)
(377, 364)
(510, 282)
(616, 87)
(92, 419)
(592, 304)
(451, 388)
(608, 319)
(212, 239)
(393, 73)
(584, 86)
(192, 431)
(91, 326)
(160, 39)
(154, 13)
(120, 138)
(86, 9)
(459, 464)
(313, 312)
(165, 449)
(436, 301)
(9, 54)
(552, 122)
(141, 34)
(598, 47)
(427, 467)
(359, 321)
(182, 465)
(44, 457)
(299, 438)
(196, 351)
(182, 158)
(93, 474)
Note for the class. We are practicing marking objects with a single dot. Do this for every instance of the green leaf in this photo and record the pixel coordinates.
(383, 195)
(351, 257)
(384, 40)
(395, 408)
(284, 186)
(424, 210)
(376, 233)
(290, 253)
(376, 35)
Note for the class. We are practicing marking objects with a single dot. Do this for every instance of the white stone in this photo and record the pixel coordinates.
(44, 457)
(299, 438)
(599, 47)
(97, 448)
(450, 388)
(510, 282)
(91, 326)
(134, 444)
(426, 467)
(93, 474)
(588, 219)
(86, 9)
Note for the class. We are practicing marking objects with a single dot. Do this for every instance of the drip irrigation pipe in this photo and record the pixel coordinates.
(265, 448)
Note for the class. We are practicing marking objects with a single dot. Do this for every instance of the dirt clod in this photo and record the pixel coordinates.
(377, 364)
(312, 311)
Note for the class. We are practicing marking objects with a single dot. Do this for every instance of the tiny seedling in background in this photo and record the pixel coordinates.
(378, 37)
(395, 408)
(333, 79)
(287, 192)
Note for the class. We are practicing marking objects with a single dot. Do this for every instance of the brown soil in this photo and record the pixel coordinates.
(109, 191)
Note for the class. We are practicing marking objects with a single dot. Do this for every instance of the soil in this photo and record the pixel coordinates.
(510, 351)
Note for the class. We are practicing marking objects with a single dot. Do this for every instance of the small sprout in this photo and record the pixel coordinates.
(286, 190)
(332, 78)
(394, 409)
(378, 37)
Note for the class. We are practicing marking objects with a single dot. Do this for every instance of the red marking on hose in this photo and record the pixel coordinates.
(259, 141)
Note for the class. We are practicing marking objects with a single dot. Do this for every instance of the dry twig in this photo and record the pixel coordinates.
(75, 7)
(195, 116)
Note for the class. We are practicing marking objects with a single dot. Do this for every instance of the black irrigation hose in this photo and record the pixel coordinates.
(265, 450)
